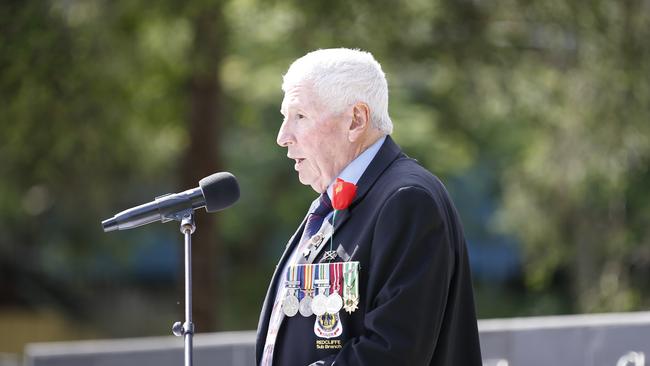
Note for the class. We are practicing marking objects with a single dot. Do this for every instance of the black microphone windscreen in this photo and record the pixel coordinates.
(220, 191)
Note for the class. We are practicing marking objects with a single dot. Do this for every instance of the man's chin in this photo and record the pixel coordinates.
(310, 182)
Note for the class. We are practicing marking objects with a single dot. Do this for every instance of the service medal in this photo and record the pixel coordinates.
(305, 307)
(351, 286)
(307, 280)
(319, 304)
(351, 304)
(334, 300)
(334, 303)
(290, 303)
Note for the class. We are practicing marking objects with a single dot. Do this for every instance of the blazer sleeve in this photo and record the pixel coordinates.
(409, 274)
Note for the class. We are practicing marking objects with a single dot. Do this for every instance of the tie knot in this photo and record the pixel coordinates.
(324, 205)
(317, 216)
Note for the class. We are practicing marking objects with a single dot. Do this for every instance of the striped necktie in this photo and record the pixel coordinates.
(315, 219)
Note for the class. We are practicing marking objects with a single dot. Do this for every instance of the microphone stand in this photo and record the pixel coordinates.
(186, 329)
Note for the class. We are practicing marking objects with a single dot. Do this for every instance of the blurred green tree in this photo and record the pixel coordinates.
(107, 103)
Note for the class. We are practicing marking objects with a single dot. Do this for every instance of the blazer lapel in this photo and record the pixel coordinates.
(388, 152)
(265, 314)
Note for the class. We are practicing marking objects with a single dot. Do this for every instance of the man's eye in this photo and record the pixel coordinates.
(299, 116)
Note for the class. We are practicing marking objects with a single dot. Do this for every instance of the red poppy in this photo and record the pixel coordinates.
(343, 194)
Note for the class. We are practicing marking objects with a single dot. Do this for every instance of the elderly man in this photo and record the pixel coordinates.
(415, 304)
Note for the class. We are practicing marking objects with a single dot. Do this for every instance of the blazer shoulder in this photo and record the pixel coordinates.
(406, 172)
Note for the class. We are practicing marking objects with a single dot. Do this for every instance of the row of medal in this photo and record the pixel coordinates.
(321, 288)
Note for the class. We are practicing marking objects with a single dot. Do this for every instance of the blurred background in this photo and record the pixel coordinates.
(535, 114)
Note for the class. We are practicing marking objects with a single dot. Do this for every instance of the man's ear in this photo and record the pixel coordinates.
(360, 121)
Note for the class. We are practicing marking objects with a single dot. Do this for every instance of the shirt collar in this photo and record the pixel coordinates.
(353, 171)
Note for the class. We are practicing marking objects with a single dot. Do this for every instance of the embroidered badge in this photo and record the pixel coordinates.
(328, 326)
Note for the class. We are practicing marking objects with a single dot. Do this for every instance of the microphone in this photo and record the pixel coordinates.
(215, 192)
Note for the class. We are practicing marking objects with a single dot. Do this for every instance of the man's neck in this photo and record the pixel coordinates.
(368, 141)
(357, 166)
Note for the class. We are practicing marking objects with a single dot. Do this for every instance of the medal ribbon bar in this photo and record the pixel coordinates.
(335, 277)
(351, 286)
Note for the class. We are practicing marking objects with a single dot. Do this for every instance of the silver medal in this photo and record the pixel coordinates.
(290, 305)
(334, 303)
(305, 306)
(319, 304)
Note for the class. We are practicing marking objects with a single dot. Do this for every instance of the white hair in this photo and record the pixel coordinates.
(342, 77)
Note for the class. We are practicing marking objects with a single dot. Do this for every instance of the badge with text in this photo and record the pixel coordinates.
(328, 326)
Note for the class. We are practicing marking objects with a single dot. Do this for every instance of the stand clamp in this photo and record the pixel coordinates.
(180, 329)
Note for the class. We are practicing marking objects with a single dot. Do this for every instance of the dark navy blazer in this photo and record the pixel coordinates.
(416, 302)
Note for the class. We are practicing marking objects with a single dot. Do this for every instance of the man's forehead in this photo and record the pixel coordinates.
(289, 100)
(295, 96)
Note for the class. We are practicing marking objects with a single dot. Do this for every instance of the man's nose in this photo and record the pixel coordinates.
(285, 137)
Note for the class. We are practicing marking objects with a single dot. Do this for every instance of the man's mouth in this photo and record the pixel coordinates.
(298, 162)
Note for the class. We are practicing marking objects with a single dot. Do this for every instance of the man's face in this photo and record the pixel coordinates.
(316, 139)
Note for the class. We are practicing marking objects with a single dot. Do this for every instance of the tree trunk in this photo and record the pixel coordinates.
(203, 158)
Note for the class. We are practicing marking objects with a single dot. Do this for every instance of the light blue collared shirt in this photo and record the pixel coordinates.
(353, 172)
